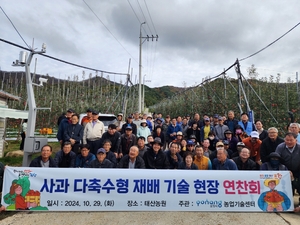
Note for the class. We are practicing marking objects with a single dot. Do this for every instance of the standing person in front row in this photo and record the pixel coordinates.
(93, 132)
(23, 134)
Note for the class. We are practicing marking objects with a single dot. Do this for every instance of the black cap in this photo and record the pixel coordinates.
(157, 140)
(89, 110)
(129, 116)
(95, 112)
(70, 110)
(192, 136)
(274, 155)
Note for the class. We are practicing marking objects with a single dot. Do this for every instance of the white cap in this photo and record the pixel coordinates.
(254, 134)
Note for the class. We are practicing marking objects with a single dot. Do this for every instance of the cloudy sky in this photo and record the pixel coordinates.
(197, 38)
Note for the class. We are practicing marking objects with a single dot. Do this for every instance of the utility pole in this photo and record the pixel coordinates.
(32, 144)
(140, 63)
(143, 102)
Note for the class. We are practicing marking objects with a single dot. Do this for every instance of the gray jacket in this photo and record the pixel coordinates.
(290, 160)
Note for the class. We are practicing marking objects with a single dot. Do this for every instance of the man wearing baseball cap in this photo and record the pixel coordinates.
(120, 122)
(87, 118)
(129, 122)
(93, 132)
(101, 161)
(253, 144)
(128, 139)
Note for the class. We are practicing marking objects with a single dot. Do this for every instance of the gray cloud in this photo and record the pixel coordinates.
(196, 38)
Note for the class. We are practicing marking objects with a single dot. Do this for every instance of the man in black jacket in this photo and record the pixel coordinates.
(132, 160)
(243, 161)
(130, 123)
(101, 161)
(155, 158)
(45, 159)
(269, 144)
(114, 136)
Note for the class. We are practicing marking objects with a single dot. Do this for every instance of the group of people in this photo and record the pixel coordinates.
(153, 142)
(217, 142)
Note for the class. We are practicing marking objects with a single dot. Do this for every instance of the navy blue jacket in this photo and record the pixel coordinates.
(105, 164)
(37, 162)
(84, 162)
(59, 157)
(74, 131)
(61, 129)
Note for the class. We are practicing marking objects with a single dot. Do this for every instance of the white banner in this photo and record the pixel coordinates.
(80, 189)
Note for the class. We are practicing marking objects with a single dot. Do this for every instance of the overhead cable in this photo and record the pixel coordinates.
(109, 31)
(63, 61)
(150, 16)
(14, 27)
(271, 42)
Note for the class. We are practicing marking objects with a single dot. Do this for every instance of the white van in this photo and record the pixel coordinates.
(106, 119)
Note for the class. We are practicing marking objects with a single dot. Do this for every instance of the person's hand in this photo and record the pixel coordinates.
(292, 176)
(116, 154)
(2, 208)
(175, 158)
(72, 141)
(297, 209)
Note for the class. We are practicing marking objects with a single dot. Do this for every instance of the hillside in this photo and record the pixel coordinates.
(96, 92)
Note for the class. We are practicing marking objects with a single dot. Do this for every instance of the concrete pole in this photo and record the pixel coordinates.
(140, 71)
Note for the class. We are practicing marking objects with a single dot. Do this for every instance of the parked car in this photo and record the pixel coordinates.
(104, 118)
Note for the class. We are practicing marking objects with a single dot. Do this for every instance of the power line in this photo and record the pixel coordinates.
(63, 61)
(136, 15)
(144, 16)
(14, 27)
(271, 43)
(150, 16)
(109, 31)
(134, 11)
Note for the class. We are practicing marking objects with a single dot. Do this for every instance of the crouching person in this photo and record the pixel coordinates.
(85, 157)
(101, 161)
(45, 159)
(132, 160)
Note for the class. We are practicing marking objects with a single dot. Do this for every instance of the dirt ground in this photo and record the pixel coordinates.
(145, 218)
(152, 218)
